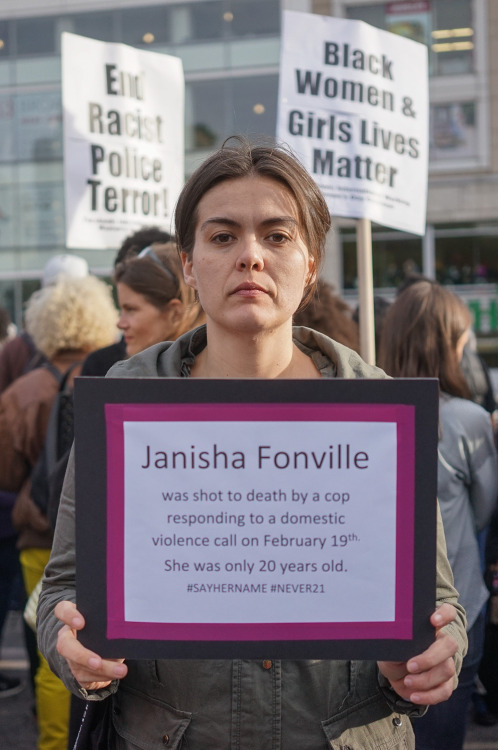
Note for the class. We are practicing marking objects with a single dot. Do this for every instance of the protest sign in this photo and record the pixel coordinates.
(299, 522)
(353, 105)
(123, 140)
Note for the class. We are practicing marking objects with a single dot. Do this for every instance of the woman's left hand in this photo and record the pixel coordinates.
(428, 678)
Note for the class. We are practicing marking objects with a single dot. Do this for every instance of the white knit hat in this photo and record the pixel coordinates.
(72, 266)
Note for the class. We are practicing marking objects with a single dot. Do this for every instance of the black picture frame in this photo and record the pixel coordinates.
(94, 568)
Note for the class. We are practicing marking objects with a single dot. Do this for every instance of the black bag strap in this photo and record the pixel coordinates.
(53, 371)
(62, 378)
(35, 358)
(64, 387)
(51, 436)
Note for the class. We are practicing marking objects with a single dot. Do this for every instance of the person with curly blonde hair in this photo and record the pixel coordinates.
(66, 321)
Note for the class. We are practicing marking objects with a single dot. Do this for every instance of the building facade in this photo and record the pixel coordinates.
(460, 247)
(230, 53)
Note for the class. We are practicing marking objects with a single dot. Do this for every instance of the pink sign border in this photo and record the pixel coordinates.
(399, 629)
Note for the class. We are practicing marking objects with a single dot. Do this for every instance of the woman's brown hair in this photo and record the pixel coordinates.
(420, 334)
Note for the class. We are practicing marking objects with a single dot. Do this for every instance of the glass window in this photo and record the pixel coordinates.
(35, 70)
(146, 25)
(7, 119)
(445, 25)
(452, 38)
(94, 25)
(8, 218)
(31, 127)
(452, 14)
(7, 297)
(249, 17)
(453, 132)
(255, 105)
(393, 260)
(41, 215)
(410, 20)
(202, 56)
(372, 14)
(206, 114)
(36, 36)
(38, 126)
(5, 46)
(206, 20)
(467, 259)
(217, 109)
(28, 287)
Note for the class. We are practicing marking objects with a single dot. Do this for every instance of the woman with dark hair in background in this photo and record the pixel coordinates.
(155, 302)
(98, 363)
(423, 335)
(328, 313)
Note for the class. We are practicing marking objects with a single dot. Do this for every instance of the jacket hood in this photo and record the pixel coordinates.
(173, 358)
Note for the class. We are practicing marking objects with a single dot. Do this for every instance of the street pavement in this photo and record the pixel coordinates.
(17, 720)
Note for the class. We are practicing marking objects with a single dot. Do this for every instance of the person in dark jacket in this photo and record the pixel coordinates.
(99, 362)
(10, 569)
(66, 321)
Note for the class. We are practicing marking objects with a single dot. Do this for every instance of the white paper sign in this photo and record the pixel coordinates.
(260, 526)
(123, 140)
(353, 105)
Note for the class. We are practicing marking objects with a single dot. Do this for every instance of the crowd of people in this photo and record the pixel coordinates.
(237, 294)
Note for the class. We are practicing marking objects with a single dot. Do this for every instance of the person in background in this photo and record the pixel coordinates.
(155, 305)
(474, 368)
(381, 306)
(328, 313)
(478, 379)
(7, 328)
(155, 302)
(10, 570)
(423, 335)
(19, 355)
(66, 320)
(251, 229)
(488, 668)
(477, 375)
(136, 242)
(98, 362)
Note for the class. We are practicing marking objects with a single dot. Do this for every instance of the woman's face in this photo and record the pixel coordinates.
(143, 324)
(249, 264)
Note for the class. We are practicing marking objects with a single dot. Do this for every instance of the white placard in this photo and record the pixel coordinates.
(123, 140)
(353, 105)
(261, 526)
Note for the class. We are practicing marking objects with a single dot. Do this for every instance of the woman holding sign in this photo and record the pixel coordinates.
(251, 227)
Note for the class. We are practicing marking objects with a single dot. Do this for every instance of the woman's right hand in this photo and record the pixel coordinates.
(89, 669)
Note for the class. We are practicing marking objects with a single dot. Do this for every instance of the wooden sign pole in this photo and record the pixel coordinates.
(365, 290)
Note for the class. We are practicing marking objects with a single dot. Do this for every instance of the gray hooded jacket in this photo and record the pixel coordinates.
(240, 704)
